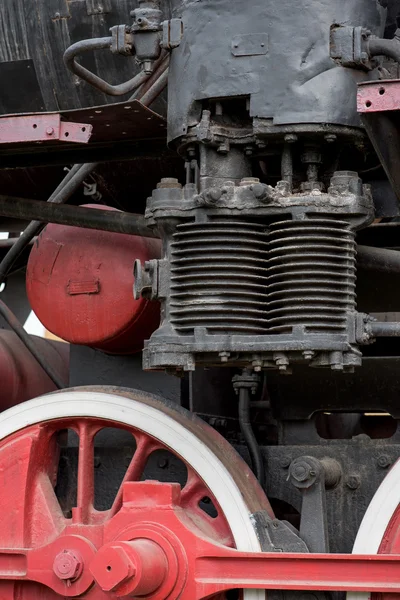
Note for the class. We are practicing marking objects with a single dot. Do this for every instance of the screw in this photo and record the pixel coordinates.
(353, 482)
(285, 461)
(384, 461)
(68, 565)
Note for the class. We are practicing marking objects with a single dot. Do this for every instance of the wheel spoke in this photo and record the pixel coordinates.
(144, 447)
(85, 479)
(193, 491)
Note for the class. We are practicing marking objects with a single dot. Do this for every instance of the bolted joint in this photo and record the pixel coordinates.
(136, 568)
(247, 380)
(68, 565)
(122, 40)
(305, 471)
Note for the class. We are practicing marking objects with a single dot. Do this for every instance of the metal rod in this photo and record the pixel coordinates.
(61, 194)
(381, 329)
(75, 216)
(378, 259)
(26, 339)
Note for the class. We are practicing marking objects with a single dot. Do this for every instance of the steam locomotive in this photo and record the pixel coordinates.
(199, 199)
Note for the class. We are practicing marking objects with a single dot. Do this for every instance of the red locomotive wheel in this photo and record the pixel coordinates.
(379, 531)
(49, 553)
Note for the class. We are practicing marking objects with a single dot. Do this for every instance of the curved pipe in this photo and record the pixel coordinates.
(99, 44)
(381, 47)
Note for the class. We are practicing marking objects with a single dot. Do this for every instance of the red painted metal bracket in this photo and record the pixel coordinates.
(378, 96)
(42, 128)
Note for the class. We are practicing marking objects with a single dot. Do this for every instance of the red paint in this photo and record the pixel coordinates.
(377, 96)
(68, 565)
(80, 285)
(41, 128)
(21, 376)
(152, 546)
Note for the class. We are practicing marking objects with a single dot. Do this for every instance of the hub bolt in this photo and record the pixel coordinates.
(68, 564)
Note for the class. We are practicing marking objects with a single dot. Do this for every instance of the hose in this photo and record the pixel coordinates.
(248, 434)
(61, 194)
(381, 47)
(26, 339)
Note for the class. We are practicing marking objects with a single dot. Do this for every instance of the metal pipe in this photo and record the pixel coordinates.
(380, 47)
(99, 44)
(75, 216)
(156, 89)
(378, 259)
(61, 194)
(248, 434)
(10, 242)
(381, 329)
(28, 341)
(160, 66)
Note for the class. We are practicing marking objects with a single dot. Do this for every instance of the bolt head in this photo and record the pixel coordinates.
(68, 564)
(49, 131)
(353, 482)
(300, 472)
(384, 461)
(112, 568)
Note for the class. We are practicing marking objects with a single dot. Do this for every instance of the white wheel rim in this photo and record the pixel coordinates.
(377, 518)
(105, 405)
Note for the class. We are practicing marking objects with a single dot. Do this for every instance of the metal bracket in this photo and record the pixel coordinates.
(312, 476)
(349, 46)
(42, 128)
(172, 33)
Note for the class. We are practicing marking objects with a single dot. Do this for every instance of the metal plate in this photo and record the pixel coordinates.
(378, 96)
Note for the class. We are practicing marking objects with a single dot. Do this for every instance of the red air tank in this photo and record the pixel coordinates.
(21, 376)
(80, 285)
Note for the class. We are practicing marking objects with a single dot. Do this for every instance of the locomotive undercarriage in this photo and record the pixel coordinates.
(251, 449)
